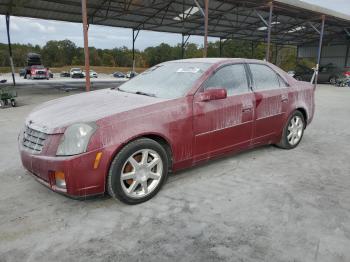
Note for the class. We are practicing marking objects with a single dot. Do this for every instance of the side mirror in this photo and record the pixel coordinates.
(213, 94)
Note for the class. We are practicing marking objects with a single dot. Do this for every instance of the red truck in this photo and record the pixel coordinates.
(35, 69)
(38, 72)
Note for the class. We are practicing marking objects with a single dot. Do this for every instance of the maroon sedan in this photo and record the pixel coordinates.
(124, 141)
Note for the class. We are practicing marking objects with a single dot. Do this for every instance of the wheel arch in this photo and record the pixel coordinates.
(153, 136)
(304, 113)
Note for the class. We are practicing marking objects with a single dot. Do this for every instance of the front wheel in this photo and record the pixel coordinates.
(333, 80)
(138, 171)
(293, 131)
(13, 102)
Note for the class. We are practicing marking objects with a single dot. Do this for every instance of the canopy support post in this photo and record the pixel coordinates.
(269, 27)
(183, 45)
(347, 54)
(10, 48)
(86, 45)
(276, 54)
(134, 37)
(220, 47)
(320, 49)
(205, 50)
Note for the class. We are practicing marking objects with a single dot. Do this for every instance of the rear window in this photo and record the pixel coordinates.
(264, 77)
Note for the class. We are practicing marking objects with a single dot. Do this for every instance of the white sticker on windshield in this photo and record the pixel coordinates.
(192, 70)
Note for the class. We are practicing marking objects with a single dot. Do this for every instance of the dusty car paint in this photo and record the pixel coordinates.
(193, 131)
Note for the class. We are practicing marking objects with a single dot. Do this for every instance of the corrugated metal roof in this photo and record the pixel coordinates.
(227, 18)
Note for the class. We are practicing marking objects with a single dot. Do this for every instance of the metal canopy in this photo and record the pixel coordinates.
(293, 21)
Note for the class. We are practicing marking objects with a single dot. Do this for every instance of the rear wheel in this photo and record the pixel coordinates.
(138, 171)
(293, 131)
(2, 104)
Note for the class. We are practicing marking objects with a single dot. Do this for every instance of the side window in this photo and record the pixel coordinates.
(232, 77)
(264, 77)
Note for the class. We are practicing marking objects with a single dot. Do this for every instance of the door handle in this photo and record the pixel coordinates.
(284, 99)
(247, 109)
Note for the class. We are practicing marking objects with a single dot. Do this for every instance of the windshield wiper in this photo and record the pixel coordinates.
(137, 92)
(145, 94)
(117, 88)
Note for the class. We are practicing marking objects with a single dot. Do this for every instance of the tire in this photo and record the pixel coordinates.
(287, 141)
(138, 187)
(333, 80)
(2, 104)
(13, 102)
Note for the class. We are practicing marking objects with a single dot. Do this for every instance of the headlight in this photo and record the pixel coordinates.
(76, 139)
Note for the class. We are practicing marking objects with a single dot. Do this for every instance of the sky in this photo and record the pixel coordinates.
(37, 31)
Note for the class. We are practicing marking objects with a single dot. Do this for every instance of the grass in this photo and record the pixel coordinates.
(98, 69)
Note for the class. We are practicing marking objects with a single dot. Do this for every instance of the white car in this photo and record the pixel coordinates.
(93, 74)
(76, 73)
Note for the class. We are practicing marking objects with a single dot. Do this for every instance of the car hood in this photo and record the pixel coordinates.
(55, 115)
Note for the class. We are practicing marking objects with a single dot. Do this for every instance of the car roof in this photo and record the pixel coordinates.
(218, 60)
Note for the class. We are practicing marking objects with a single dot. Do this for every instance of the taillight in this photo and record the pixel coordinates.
(347, 74)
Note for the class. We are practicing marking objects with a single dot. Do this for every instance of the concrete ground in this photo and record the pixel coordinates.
(266, 204)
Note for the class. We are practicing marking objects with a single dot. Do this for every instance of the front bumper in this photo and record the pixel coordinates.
(81, 178)
(39, 76)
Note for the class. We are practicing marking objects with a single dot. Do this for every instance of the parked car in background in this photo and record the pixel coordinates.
(76, 73)
(38, 72)
(119, 75)
(93, 74)
(64, 74)
(172, 116)
(327, 74)
(131, 74)
(22, 72)
(50, 74)
(291, 73)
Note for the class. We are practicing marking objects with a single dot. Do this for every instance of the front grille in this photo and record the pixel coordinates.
(40, 72)
(33, 140)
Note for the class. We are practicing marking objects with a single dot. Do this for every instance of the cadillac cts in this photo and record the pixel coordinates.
(124, 141)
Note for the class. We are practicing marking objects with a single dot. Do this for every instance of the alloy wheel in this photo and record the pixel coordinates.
(141, 173)
(295, 130)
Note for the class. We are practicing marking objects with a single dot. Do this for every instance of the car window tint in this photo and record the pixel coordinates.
(264, 77)
(233, 78)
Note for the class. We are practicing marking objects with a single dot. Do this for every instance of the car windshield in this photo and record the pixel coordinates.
(168, 80)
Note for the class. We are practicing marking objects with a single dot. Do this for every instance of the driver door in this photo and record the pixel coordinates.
(226, 124)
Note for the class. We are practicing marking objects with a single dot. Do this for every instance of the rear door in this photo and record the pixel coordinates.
(226, 124)
(271, 103)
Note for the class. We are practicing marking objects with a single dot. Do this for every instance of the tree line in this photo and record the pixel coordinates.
(65, 52)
